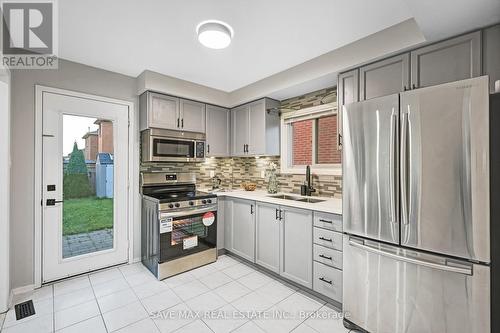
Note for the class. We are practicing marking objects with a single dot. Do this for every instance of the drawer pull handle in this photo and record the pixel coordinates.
(325, 257)
(326, 221)
(326, 239)
(325, 280)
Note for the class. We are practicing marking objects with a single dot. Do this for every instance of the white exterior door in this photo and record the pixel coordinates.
(85, 149)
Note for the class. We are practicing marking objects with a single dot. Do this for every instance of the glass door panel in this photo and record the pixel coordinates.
(88, 198)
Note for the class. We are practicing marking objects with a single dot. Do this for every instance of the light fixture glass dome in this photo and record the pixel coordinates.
(214, 34)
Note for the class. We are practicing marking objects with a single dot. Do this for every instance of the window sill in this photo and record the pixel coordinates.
(335, 171)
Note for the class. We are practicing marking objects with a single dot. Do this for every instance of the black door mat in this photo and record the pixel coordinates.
(24, 309)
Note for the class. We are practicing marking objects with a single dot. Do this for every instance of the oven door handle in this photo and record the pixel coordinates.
(188, 212)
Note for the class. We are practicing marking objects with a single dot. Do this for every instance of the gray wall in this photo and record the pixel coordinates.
(70, 76)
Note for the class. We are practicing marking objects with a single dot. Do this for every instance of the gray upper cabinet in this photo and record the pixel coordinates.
(168, 112)
(218, 131)
(347, 92)
(491, 54)
(158, 111)
(451, 60)
(239, 130)
(255, 128)
(386, 77)
(267, 237)
(192, 116)
(296, 243)
(243, 229)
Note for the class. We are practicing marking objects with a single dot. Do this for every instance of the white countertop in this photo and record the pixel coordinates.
(330, 205)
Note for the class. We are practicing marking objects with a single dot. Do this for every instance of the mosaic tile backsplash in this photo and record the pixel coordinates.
(236, 170)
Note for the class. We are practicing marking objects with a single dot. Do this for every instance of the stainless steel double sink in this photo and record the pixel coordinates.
(295, 198)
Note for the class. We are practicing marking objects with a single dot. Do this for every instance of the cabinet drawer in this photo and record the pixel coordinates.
(327, 281)
(327, 256)
(327, 238)
(328, 221)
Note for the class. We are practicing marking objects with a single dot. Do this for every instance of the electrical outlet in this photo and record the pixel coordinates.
(212, 174)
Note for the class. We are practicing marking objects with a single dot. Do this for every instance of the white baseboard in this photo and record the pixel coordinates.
(135, 260)
(18, 291)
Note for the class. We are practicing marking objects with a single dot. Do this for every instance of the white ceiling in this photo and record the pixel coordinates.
(128, 36)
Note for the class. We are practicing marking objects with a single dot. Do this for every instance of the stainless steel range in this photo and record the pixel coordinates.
(179, 224)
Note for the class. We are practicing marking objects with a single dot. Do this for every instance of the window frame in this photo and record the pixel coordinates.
(311, 113)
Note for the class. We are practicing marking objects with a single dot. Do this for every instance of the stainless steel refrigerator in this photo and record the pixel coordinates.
(416, 211)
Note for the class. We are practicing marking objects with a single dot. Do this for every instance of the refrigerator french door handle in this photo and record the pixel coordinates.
(403, 168)
(411, 260)
(392, 166)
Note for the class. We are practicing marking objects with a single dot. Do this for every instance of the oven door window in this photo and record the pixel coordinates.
(189, 235)
(173, 148)
(186, 230)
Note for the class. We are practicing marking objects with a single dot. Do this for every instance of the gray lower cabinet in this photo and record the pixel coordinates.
(296, 245)
(218, 131)
(267, 237)
(228, 223)
(243, 229)
(327, 255)
(491, 54)
(347, 92)
(454, 59)
(386, 77)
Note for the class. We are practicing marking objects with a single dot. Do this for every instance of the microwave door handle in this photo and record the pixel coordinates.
(411, 259)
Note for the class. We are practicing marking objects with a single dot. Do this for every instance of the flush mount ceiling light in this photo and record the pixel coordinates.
(214, 34)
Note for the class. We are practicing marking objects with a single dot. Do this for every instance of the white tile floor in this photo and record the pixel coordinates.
(222, 297)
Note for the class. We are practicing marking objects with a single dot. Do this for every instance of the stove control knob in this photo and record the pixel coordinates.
(209, 200)
(177, 205)
(191, 203)
(203, 201)
(170, 205)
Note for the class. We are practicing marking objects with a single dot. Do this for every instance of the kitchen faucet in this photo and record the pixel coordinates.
(307, 188)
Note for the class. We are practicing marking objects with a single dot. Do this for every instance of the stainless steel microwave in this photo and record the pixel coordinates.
(160, 145)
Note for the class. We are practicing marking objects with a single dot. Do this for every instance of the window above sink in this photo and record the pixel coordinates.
(308, 137)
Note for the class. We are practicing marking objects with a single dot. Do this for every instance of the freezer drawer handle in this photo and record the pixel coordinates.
(452, 269)
(325, 257)
(326, 221)
(325, 280)
(326, 239)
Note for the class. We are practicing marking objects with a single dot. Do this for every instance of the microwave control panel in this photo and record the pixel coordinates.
(200, 149)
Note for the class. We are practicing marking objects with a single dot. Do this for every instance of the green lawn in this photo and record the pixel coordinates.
(87, 214)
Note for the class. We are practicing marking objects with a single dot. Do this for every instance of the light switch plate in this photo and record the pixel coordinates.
(262, 174)
(212, 174)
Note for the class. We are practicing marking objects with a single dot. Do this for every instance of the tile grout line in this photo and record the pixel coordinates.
(140, 302)
(98, 306)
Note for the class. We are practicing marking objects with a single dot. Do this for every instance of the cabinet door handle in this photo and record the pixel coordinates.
(325, 280)
(281, 217)
(326, 239)
(277, 217)
(251, 209)
(178, 122)
(182, 122)
(325, 257)
(326, 221)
